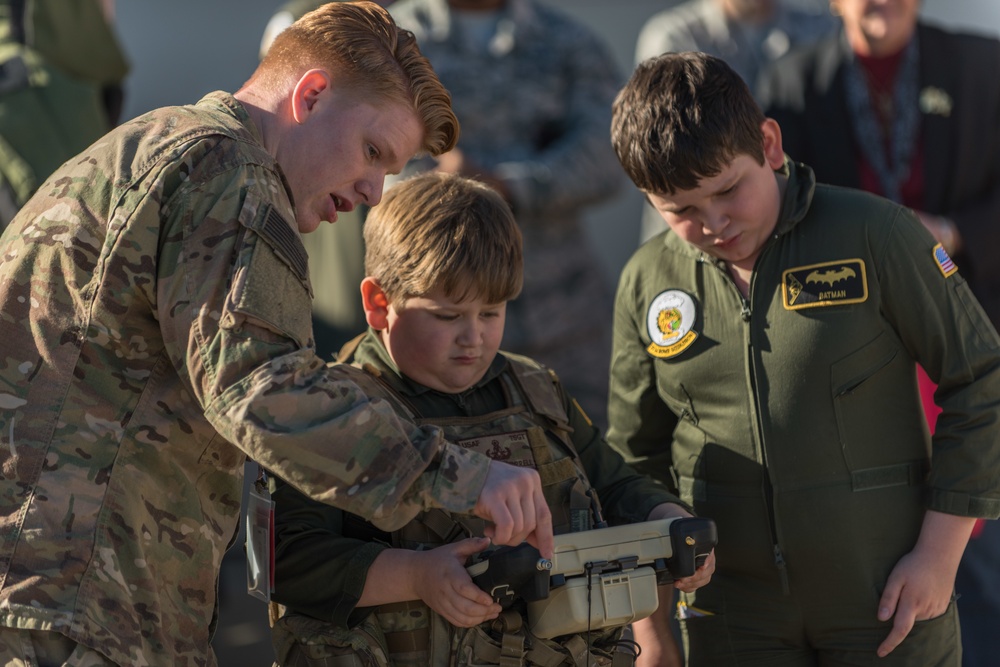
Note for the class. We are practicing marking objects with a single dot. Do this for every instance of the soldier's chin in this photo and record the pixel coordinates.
(307, 224)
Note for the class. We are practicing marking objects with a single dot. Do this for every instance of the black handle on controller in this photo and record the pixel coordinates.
(512, 572)
(691, 540)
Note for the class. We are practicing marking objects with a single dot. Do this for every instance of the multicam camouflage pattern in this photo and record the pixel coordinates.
(30, 648)
(535, 107)
(155, 313)
(301, 640)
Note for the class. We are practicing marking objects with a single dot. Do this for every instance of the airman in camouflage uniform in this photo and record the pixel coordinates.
(155, 318)
(533, 91)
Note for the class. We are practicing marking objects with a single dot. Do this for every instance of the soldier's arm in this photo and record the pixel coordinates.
(234, 307)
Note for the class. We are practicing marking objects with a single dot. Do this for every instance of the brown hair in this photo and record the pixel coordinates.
(444, 231)
(361, 46)
(683, 117)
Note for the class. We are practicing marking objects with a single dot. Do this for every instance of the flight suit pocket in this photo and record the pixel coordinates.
(871, 444)
(689, 439)
(704, 628)
(682, 407)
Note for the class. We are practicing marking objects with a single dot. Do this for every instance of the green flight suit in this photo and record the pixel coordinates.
(792, 418)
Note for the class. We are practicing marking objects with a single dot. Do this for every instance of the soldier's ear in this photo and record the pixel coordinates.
(376, 304)
(307, 92)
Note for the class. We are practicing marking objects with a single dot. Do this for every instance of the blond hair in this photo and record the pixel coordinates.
(444, 231)
(362, 47)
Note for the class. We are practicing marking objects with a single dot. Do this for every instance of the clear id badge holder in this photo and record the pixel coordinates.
(260, 539)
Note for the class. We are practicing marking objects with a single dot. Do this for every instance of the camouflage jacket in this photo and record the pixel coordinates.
(156, 325)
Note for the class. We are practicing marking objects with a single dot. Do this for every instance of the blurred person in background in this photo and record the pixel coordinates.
(899, 107)
(533, 91)
(61, 73)
(747, 34)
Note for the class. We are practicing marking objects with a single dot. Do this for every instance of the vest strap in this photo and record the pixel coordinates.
(557, 471)
(410, 641)
(415, 640)
(579, 651)
(543, 655)
(512, 650)
(444, 525)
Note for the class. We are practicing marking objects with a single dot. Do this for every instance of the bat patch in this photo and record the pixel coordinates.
(670, 322)
(828, 284)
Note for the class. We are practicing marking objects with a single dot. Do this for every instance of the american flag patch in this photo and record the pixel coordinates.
(943, 261)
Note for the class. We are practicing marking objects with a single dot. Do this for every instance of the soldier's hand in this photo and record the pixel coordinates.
(512, 500)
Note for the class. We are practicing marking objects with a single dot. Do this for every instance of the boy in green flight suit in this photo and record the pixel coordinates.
(764, 360)
(443, 257)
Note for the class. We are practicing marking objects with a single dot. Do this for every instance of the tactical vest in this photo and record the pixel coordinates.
(533, 430)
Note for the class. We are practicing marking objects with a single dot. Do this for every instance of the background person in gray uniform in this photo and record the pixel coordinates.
(533, 90)
(747, 34)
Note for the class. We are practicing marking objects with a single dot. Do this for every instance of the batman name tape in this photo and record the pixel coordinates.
(836, 283)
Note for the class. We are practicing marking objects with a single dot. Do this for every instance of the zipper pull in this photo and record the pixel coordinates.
(745, 311)
(779, 562)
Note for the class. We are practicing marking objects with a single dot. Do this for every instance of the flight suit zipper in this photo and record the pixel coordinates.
(767, 487)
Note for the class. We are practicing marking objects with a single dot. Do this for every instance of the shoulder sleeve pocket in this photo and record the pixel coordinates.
(272, 287)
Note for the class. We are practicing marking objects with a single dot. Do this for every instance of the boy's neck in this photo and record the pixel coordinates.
(741, 276)
(741, 272)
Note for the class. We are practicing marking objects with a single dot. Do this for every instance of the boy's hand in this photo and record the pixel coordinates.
(701, 576)
(915, 591)
(920, 587)
(512, 499)
(443, 583)
(704, 573)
